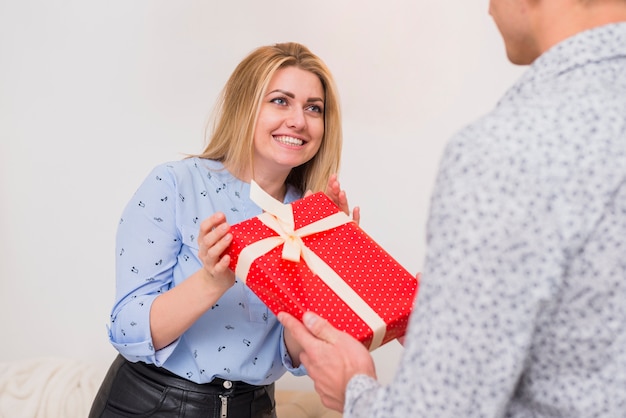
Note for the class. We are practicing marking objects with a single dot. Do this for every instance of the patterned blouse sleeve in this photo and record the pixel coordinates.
(147, 246)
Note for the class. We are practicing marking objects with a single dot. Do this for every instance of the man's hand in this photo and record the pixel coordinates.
(331, 357)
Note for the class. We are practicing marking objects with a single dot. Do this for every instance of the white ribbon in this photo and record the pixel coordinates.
(279, 217)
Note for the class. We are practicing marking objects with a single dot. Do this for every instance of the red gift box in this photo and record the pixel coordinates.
(310, 256)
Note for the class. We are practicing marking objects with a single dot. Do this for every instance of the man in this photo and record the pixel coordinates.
(522, 304)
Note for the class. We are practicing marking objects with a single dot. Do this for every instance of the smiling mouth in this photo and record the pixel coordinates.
(289, 140)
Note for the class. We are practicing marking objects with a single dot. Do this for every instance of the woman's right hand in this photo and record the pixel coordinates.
(174, 311)
(213, 240)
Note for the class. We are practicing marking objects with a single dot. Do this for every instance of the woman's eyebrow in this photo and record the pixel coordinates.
(286, 93)
(293, 96)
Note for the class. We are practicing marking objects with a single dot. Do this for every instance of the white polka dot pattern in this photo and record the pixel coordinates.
(367, 268)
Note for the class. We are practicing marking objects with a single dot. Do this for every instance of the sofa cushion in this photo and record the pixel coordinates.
(49, 387)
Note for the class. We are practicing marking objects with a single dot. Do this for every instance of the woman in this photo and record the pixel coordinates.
(193, 340)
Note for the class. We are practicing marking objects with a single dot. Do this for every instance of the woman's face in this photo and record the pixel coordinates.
(290, 126)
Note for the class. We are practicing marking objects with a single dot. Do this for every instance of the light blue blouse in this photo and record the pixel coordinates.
(156, 249)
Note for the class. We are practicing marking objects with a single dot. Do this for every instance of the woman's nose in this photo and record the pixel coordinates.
(296, 119)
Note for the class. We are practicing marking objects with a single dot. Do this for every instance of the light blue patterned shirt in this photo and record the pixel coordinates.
(521, 310)
(238, 338)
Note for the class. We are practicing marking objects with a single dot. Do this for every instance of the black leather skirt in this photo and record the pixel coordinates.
(144, 390)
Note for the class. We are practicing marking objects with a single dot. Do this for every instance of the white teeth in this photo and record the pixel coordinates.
(289, 140)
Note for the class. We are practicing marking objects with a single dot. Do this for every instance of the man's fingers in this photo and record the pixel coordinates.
(320, 327)
(297, 329)
(312, 328)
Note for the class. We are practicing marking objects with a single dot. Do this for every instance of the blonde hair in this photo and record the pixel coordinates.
(237, 109)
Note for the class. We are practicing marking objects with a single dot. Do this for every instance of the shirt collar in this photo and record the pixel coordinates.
(593, 45)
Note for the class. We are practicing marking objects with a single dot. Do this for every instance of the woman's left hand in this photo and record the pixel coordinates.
(334, 192)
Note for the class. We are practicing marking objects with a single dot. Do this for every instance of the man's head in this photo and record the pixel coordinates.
(513, 19)
(531, 27)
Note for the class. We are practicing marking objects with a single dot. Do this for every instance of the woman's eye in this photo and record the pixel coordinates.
(279, 100)
(316, 109)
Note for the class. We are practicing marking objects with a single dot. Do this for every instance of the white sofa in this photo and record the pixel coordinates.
(64, 388)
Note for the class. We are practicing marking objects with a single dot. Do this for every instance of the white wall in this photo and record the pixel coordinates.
(93, 94)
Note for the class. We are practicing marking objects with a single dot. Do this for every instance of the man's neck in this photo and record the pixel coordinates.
(557, 20)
